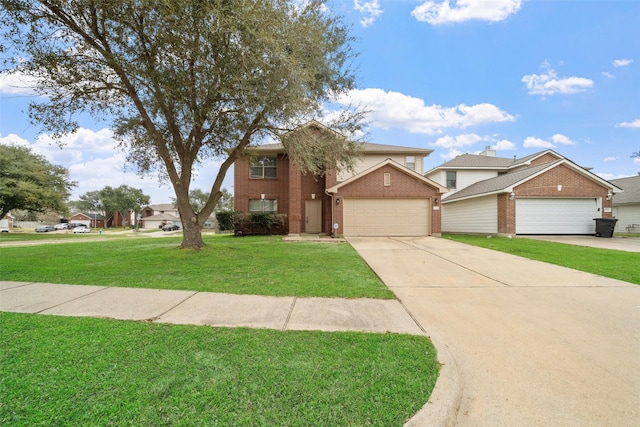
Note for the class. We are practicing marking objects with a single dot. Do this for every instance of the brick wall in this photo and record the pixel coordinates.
(245, 188)
(548, 157)
(573, 185)
(402, 186)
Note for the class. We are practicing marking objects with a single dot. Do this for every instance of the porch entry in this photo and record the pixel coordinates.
(313, 216)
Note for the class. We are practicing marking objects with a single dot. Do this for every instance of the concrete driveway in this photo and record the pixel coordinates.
(533, 344)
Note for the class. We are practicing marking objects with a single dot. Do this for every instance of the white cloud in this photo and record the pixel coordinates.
(445, 11)
(371, 10)
(561, 139)
(530, 141)
(451, 154)
(504, 145)
(16, 83)
(608, 75)
(622, 62)
(549, 143)
(397, 110)
(458, 140)
(609, 159)
(633, 124)
(548, 83)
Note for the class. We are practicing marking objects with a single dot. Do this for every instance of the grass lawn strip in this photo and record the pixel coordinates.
(82, 371)
(618, 265)
(249, 265)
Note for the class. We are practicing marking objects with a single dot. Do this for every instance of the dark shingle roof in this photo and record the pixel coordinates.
(631, 190)
(498, 183)
(477, 161)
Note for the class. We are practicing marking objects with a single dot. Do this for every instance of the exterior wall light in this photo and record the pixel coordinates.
(512, 195)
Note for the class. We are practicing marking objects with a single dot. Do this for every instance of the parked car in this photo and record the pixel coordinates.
(82, 229)
(170, 227)
(45, 228)
(73, 225)
(63, 226)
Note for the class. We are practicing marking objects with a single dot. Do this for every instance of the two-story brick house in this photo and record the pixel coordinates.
(386, 194)
(543, 193)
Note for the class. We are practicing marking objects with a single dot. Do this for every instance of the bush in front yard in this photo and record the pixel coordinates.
(259, 223)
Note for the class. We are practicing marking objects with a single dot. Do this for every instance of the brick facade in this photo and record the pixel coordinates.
(573, 184)
(292, 189)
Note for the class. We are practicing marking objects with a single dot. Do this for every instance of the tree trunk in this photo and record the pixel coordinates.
(191, 235)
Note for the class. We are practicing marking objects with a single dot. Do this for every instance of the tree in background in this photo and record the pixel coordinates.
(29, 182)
(108, 201)
(199, 200)
(127, 199)
(185, 80)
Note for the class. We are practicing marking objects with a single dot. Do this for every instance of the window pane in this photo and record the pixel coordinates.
(259, 205)
(263, 167)
(410, 162)
(256, 172)
(451, 179)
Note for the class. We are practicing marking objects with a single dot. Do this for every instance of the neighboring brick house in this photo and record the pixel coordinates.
(543, 193)
(386, 194)
(91, 220)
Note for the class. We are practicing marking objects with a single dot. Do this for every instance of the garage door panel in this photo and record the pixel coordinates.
(386, 217)
(556, 216)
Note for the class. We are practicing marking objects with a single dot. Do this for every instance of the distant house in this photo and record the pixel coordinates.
(626, 205)
(155, 216)
(543, 193)
(6, 223)
(91, 220)
(386, 195)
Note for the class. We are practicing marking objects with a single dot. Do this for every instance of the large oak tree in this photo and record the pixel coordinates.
(183, 80)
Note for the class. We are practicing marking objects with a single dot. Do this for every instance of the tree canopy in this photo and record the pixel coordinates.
(184, 80)
(107, 201)
(29, 182)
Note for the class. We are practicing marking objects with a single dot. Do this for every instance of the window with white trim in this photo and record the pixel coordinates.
(260, 205)
(387, 179)
(263, 167)
(451, 179)
(410, 162)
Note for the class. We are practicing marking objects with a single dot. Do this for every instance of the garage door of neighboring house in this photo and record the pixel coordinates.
(386, 217)
(556, 216)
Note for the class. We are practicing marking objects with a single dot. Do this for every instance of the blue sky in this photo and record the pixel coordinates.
(452, 76)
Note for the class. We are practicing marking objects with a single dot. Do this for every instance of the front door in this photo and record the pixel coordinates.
(313, 216)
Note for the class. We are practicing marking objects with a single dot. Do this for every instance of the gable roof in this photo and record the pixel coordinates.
(506, 182)
(477, 161)
(334, 189)
(163, 207)
(631, 190)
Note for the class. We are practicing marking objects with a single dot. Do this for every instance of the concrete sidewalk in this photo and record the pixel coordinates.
(212, 309)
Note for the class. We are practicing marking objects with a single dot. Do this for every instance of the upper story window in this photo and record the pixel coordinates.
(410, 162)
(263, 167)
(451, 179)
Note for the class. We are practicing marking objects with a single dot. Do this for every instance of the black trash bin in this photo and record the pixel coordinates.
(605, 226)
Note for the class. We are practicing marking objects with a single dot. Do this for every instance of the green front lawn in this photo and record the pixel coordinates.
(78, 371)
(619, 265)
(249, 265)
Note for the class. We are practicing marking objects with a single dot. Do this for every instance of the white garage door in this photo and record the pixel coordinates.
(386, 217)
(556, 216)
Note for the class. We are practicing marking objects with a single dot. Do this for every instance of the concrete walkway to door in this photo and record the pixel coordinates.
(534, 344)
